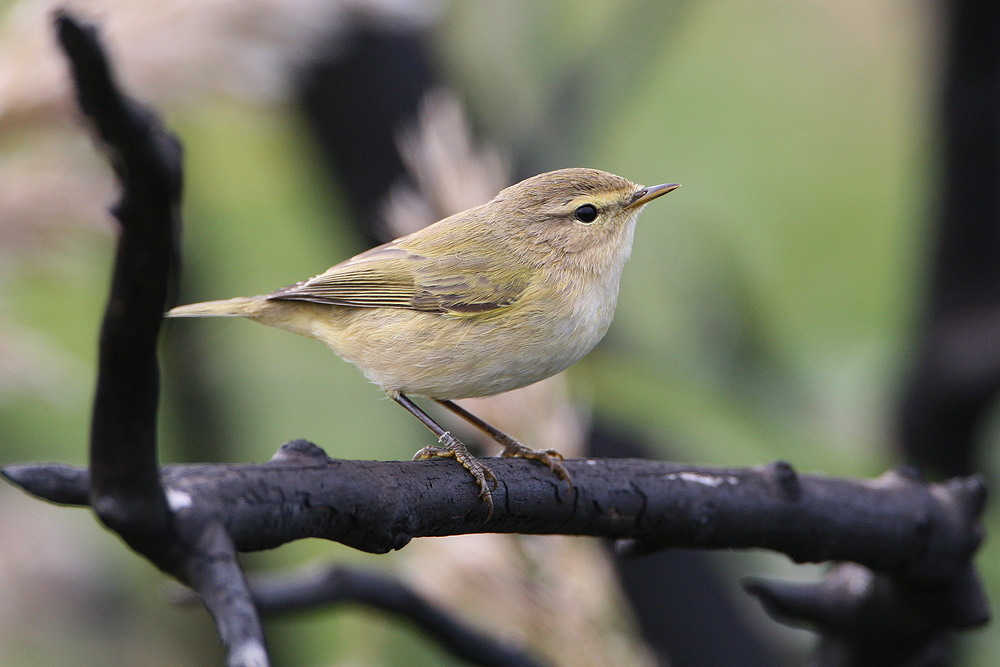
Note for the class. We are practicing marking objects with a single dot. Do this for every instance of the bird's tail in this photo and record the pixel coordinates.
(241, 306)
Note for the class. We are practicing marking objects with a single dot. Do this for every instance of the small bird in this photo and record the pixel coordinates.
(484, 301)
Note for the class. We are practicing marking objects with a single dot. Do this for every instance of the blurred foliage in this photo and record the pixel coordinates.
(766, 311)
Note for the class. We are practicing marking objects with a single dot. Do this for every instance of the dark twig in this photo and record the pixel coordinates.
(213, 570)
(124, 488)
(314, 588)
(873, 619)
(955, 379)
(338, 584)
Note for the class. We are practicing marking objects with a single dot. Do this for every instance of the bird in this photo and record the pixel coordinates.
(491, 299)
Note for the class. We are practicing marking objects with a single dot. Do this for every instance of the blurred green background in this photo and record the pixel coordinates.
(766, 312)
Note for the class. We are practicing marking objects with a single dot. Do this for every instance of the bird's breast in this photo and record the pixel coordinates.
(549, 329)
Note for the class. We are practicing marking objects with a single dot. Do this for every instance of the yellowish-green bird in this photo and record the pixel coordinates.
(484, 301)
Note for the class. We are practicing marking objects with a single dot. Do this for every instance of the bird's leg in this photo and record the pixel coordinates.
(511, 447)
(450, 446)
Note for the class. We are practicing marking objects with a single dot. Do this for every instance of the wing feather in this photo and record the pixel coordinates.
(390, 276)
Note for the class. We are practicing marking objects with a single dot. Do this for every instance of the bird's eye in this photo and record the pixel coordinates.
(586, 213)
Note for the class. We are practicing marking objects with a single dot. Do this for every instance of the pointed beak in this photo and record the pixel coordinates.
(650, 193)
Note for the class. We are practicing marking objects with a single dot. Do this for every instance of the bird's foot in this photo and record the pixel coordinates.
(452, 447)
(549, 457)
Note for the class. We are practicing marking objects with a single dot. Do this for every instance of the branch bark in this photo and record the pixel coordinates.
(124, 489)
(896, 523)
(146, 161)
(915, 539)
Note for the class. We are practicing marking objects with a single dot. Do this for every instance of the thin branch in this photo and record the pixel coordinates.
(866, 618)
(955, 378)
(338, 585)
(124, 489)
(213, 570)
(320, 587)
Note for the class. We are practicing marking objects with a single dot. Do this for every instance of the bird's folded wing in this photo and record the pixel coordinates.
(392, 277)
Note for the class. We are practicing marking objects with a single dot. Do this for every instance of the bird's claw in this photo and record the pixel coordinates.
(549, 457)
(452, 447)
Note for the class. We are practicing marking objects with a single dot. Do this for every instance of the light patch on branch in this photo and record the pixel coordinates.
(707, 480)
(178, 500)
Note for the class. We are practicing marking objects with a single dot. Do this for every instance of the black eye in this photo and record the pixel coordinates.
(586, 213)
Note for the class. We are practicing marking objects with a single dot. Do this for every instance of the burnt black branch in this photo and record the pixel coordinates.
(348, 585)
(146, 159)
(895, 523)
(869, 618)
(915, 539)
(328, 586)
(124, 489)
(954, 381)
